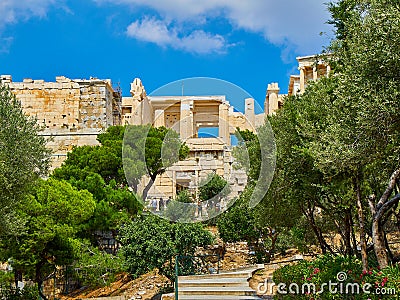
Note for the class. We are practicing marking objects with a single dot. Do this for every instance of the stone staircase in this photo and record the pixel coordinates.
(232, 285)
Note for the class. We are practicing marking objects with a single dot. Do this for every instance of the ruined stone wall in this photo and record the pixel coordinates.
(207, 155)
(71, 112)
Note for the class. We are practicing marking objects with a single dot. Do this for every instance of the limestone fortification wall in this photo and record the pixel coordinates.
(74, 112)
(71, 112)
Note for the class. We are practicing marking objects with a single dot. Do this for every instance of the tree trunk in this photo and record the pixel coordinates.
(353, 235)
(347, 232)
(148, 186)
(390, 254)
(324, 246)
(363, 242)
(378, 211)
(39, 280)
(379, 244)
(273, 236)
(40, 283)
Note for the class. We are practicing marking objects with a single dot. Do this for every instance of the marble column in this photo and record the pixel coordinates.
(302, 79)
(186, 121)
(159, 119)
(223, 126)
(315, 73)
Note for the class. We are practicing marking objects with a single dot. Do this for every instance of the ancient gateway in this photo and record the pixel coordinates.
(74, 111)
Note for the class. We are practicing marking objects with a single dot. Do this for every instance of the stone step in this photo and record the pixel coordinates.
(221, 281)
(217, 297)
(230, 285)
(222, 291)
(243, 274)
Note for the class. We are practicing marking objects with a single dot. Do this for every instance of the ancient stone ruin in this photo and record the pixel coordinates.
(74, 111)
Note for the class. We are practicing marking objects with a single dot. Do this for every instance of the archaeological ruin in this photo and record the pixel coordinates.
(74, 111)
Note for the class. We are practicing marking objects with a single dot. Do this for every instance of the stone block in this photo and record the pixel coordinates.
(5, 78)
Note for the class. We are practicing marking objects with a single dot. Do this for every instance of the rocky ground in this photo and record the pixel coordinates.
(145, 287)
(148, 286)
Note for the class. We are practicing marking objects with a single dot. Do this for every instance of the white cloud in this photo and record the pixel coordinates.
(293, 24)
(203, 42)
(151, 30)
(166, 35)
(12, 11)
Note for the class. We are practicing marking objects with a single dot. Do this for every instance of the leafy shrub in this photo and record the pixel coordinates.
(6, 278)
(29, 292)
(177, 211)
(339, 270)
(8, 292)
(96, 268)
(151, 242)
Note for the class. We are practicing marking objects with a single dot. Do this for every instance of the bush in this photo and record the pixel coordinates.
(6, 278)
(179, 209)
(95, 267)
(339, 270)
(27, 293)
(8, 292)
(152, 242)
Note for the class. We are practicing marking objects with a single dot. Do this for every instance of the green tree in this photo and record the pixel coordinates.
(269, 224)
(104, 159)
(248, 153)
(116, 207)
(214, 186)
(299, 184)
(239, 223)
(150, 151)
(53, 212)
(214, 190)
(23, 158)
(94, 267)
(151, 242)
(181, 209)
(338, 143)
(99, 170)
(362, 136)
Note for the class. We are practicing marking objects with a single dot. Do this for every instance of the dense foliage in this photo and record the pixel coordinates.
(336, 184)
(151, 242)
(54, 211)
(213, 188)
(276, 222)
(181, 209)
(94, 267)
(9, 292)
(337, 169)
(150, 151)
(306, 278)
(23, 158)
(99, 170)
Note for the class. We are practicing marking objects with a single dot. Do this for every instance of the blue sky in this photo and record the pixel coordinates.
(247, 42)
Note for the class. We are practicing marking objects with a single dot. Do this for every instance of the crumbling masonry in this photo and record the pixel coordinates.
(74, 112)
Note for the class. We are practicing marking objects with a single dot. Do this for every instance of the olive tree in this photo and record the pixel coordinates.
(23, 157)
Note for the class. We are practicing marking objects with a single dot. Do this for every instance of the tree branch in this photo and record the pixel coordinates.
(371, 202)
(392, 182)
(385, 207)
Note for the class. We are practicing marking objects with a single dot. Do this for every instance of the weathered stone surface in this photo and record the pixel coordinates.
(74, 112)
(63, 109)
